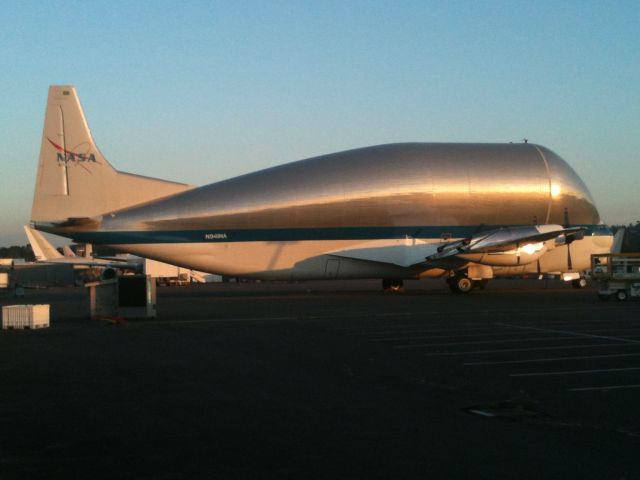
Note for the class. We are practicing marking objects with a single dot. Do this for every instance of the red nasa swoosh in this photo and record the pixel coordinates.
(62, 149)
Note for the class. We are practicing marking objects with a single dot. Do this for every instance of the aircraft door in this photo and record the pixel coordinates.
(332, 268)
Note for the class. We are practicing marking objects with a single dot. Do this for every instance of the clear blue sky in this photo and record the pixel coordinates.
(202, 91)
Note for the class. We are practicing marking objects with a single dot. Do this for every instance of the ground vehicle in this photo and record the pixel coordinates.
(618, 274)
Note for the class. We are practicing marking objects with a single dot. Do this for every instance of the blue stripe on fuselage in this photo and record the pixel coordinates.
(294, 234)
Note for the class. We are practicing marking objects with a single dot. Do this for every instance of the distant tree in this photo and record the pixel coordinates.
(631, 242)
(18, 251)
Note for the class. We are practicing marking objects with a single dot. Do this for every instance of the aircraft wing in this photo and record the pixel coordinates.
(414, 252)
(401, 252)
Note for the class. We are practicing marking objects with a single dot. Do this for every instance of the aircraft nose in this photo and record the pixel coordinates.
(570, 201)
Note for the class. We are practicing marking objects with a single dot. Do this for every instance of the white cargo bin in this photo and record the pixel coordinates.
(25, 316)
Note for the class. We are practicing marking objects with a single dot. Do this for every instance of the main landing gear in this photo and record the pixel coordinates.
(579, 283)
(463, 284)
(392, 285)
(460, 284)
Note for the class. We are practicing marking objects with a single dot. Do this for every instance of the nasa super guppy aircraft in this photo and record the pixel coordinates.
(465, 212)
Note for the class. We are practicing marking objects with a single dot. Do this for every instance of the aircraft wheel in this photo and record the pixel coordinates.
(392, 285)
(460, 284)
(621, 295)
(579, 283)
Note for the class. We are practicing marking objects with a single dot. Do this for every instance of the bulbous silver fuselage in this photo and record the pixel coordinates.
(397, 185)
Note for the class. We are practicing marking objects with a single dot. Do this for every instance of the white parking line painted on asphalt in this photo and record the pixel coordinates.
(501, 333)
(401, 329)
(293, 318)
(569, 332)
(549, 359)
(481, 342)
(472, 335)
(573, 372)
(431, 326)
(610, 387)
(482, 413)
(448, 314)
(513, 350)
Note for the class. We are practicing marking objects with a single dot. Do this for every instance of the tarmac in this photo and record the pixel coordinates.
(327, 380)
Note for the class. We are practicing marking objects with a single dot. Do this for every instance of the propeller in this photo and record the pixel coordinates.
(569, 239)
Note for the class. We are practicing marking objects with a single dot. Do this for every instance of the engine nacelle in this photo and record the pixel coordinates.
(522, 255)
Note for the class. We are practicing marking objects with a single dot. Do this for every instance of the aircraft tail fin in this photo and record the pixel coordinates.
(74, 179)
(42, 248)
(618, 238)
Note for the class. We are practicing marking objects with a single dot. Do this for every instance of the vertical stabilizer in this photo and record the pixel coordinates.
(74, 179)
(618, 238)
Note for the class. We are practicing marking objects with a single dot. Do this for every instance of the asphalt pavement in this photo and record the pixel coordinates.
(327, 380)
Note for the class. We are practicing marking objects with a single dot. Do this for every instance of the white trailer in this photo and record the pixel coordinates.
(618, 274)
(25, 316)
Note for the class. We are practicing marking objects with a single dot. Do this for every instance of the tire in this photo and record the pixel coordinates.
(392, 285)
(621, 295)
(461, 284)
(579, 283)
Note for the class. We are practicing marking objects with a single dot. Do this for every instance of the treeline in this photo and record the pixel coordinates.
(18, 251)
(631, 242)
(26, 252)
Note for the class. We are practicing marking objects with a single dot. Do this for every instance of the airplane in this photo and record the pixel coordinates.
(464, 212)
(45, 252)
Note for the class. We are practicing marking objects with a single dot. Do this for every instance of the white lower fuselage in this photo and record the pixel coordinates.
(343, 259)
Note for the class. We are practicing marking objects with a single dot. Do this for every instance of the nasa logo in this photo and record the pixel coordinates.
(67, 156)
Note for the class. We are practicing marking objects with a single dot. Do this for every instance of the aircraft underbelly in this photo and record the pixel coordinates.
(270, 260)
(316, 259)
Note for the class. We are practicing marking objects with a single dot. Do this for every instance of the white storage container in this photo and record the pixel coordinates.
(4, 280)
(25, 316)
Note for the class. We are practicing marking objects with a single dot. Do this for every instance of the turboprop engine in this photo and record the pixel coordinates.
(521, 255)
(509, 246)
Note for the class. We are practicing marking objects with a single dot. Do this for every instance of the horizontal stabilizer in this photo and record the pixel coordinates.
(42, 248)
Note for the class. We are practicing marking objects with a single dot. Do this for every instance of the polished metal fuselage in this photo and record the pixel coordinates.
(388, 185)
(285, 221)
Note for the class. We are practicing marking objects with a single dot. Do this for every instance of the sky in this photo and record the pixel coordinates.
(201, 91)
